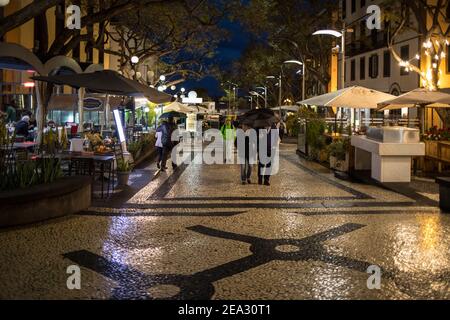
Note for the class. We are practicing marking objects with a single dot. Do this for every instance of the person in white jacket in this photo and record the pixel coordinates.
(159, 146)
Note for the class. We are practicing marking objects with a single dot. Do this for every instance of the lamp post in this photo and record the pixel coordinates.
(341, 35)
(280, 82)
(257, 95)
(265, 95)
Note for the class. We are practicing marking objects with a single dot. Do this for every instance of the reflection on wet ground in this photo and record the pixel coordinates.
(197, 233)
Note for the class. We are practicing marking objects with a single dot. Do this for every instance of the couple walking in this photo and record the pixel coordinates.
(246, 159)
(164, 143)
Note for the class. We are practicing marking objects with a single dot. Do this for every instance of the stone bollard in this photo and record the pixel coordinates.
(444, 193)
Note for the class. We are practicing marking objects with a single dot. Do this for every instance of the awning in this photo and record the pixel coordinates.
(111, 82)
(353, 97)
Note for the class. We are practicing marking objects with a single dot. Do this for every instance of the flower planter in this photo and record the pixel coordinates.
(38, 203)
(323, 156)
(122, 178)
(431, 149)
(340, 165)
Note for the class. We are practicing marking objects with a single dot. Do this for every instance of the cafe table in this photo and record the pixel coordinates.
(93, 164)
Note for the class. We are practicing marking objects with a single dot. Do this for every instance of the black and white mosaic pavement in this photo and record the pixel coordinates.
(197, 233)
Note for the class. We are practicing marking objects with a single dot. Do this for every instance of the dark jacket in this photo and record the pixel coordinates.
(22, 128)
(167, 130)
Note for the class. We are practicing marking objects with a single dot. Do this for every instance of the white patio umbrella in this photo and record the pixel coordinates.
(355, 97)
(352, 97)
(178, 107)
(287, 108)
(420, 97)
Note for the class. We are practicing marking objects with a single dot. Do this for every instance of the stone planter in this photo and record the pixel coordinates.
(340, 165)
(122, 178)
(42, 202)
(323, 156)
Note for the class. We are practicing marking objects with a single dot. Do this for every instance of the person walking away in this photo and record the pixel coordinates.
(228, 131)
(246, 167)
(159, 146)
(263, 175)
(167, 130)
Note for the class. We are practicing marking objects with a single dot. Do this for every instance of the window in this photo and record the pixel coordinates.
(353, 71)
(387, 64)
(404, 54)
(362, 68)
(353, 6)
(373, 66)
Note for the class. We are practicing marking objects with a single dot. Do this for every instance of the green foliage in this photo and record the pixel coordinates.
(124, 166)
(339, 149)
(293, 125)
(141, 147)
(315, 136)
(24, 174)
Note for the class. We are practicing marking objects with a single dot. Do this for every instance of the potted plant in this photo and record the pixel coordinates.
(124, 169)
(339, 155)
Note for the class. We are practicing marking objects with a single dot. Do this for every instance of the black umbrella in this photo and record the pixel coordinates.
(259, 118)
(108, 81)
(173, 114)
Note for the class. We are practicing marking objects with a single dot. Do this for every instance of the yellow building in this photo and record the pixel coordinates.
(24, 48)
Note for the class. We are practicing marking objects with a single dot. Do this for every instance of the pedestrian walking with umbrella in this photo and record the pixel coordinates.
(167, 129)
(263, 121)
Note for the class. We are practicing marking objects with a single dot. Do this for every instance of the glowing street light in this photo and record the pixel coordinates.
(333, 33)
(134, 59)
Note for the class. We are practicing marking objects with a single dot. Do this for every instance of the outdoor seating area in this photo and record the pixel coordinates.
(350, 143)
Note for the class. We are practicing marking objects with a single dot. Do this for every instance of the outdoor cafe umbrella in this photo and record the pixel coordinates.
(421, 97)
(355, 97)
(110, 82)
(179, 107)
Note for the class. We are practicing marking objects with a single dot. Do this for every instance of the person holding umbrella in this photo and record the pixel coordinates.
(167, 129)
(264, 122)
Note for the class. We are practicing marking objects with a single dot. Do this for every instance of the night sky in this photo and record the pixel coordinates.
(228, 51)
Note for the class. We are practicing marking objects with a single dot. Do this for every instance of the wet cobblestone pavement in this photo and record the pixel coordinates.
(197, 233)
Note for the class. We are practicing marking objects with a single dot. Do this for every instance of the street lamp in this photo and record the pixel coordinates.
(341, 35)
(134, 59)
(257, 95)
(280, 80)
(265, 95)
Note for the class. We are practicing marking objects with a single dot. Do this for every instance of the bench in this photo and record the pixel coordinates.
(444, 193)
